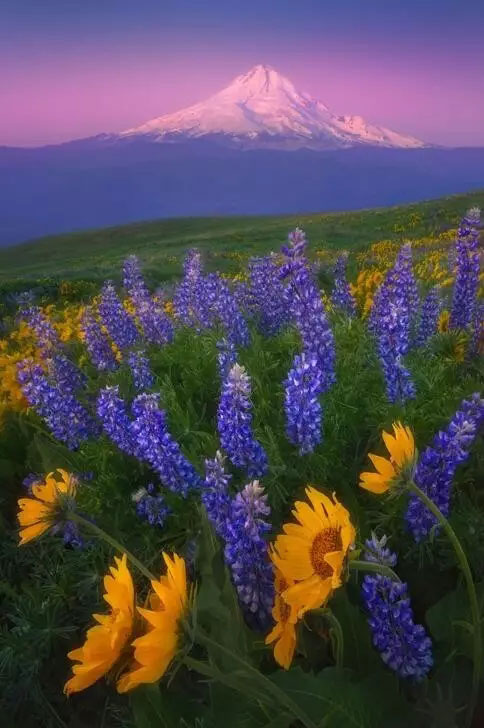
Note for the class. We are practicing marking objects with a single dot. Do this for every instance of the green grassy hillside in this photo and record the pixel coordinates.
(97, 254)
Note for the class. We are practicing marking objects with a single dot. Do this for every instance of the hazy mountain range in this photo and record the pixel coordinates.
(257, 146)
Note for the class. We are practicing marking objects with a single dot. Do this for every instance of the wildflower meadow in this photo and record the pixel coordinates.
(250, 498)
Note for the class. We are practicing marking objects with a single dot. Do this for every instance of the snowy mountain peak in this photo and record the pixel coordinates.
(263, 108)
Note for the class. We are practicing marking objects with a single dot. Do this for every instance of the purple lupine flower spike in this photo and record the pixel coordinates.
(393, 310)
(116, 319)
(306, 308)
(234, 420)
(341, 296)
(403, 645)
(47, 337)
(97, 343)
(303, 409)
(215, 494)
(438, 463)
(468, 269)
(156, 445)
(429, 317)
(246, 554)
(140, 368)
(267, 295)
(156, 325)
(67, 376)
(112, 411)
(64, 415)
(151, 507)
(226, 357)
(229, 314)
(193, 295)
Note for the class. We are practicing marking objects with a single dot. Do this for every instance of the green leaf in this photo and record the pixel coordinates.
(146, 703)
(218, 609)
(333, 699)
(450, 621)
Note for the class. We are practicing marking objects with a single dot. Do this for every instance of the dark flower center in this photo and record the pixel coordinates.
(324, 543)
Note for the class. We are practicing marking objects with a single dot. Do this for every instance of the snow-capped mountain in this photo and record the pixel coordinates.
(263, 108)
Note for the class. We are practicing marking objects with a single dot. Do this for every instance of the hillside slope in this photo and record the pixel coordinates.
(160, 244)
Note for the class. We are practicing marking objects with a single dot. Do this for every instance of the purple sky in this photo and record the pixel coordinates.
(72, 69)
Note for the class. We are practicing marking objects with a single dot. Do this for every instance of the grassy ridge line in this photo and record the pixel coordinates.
(96, 254)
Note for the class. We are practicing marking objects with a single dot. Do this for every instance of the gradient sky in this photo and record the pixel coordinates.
(73, 68)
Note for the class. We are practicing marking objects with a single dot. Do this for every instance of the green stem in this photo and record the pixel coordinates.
(471, 592)
(100, 533)
(356, 565)
(269, 686)
(336, 631)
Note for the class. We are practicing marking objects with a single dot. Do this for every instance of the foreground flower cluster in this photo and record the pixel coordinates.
(281, 585)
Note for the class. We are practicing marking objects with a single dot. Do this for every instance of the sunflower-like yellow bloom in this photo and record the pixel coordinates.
(284, 633)
(310, 554)
(156, 649)
(106, 641)
(402, 453)
(38, 514)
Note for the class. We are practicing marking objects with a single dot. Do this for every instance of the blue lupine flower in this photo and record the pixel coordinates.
(467, 276)
(476, 344)
(112, 411)
(47, 337)
(403, 645)
(30, 480)
(140, 368)
(391, 344)
(193, 295)
(64, 415)
(399, 288)
(468, 230)
(303, 387)
(438, 463)
(150, 507)
(116, 319)
(70, 534)
(243, 297)
(246, 554)
(156, 446)
(226, 357)
(215, 494)
(306, 308)
(390, 322)
(132, 276)
(294, 253)
(429, 317)
(234, 420)
(156, 325)
(228, 312)
(67, 376)
(377, 551)
(267, 295)
(341, 296)
(97, 343)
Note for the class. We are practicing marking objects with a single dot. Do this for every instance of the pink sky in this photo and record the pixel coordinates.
(54, 88)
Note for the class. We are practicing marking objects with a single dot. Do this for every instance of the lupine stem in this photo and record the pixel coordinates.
(100, 533)
(335, 630)
(471, 592)
(356, 565)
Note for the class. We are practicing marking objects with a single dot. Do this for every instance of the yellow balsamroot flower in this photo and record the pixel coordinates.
(106, 641)
(443, 322)
(154, 650)
(402, 454)
(311, 553)
(284, 633)
(38, 514)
